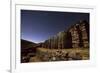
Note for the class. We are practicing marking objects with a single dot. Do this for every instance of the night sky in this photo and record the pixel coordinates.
(37, 26)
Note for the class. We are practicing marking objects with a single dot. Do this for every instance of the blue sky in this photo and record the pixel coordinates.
(37, 26)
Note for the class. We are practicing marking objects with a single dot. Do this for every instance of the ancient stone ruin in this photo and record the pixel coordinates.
(70, 44)
(77, 36)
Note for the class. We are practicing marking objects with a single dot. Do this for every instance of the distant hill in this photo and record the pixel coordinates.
(27, 44)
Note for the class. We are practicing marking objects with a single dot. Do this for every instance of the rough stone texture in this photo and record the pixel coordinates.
(74, 37)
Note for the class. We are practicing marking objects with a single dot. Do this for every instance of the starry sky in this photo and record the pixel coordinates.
(37, 26)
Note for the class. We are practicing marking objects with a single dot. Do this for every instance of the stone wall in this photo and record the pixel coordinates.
(74, 37)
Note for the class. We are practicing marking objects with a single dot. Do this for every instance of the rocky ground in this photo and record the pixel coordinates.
(45, 55)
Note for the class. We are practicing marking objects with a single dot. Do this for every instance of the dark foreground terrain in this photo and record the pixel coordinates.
(47, 55)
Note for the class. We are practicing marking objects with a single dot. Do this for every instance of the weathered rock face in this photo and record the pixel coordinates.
(76, 36)
(61, 39)
(84, 27)
(80, 34)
